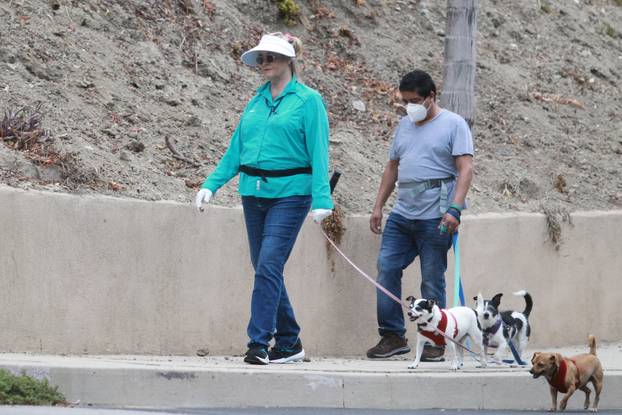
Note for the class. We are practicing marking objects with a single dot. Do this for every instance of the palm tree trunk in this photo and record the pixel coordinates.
(459, 64)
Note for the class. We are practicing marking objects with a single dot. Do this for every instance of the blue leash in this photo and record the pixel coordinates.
(458, 290)
(515, 354)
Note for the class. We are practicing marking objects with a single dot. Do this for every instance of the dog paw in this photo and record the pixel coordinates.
(593, 410)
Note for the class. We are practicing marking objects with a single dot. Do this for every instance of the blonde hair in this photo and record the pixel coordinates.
(297, 44)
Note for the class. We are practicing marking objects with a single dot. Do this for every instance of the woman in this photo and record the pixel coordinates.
(280, 148)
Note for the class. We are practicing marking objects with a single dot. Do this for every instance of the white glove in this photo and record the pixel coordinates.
(203, 196)
(320, 214)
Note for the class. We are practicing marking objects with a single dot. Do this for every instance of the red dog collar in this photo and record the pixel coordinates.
(559, 382)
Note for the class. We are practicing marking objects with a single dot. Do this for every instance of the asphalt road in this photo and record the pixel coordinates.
(29, 410)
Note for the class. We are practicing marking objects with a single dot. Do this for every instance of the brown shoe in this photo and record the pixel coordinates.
(433, 353)
(390, 344)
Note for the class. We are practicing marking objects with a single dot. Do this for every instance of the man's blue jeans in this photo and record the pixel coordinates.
(272, 226)
(402, 240)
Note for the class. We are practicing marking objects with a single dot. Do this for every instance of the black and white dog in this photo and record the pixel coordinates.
(457, 323)
(499, 328)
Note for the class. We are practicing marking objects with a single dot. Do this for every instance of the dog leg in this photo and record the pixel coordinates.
(503, 346)
(478, 339)
(460, 352)
(454, 363)
(483, 357)
(553, 399)
(587, 391)
(522, 345)
(564, 401)
(597, 381)
(418, 353)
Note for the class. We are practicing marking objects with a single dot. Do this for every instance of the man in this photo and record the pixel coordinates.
(431, 159)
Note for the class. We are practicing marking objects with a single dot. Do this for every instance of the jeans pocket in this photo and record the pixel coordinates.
(433, 234)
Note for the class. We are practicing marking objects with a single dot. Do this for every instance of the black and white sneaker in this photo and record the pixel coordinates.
(287, 355)
(257, 355)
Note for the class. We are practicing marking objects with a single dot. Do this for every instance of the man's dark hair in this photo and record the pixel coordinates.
(418, 81)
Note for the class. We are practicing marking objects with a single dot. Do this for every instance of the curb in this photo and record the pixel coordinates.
(145, 384)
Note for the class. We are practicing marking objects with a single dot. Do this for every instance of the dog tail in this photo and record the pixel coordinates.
(591, 340)
(528, 301)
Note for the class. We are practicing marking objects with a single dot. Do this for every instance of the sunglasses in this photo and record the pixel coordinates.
(267, 59)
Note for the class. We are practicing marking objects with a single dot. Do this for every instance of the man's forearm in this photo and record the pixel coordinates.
(465, 176)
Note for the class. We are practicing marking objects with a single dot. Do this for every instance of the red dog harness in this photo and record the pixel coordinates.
(559, 382)
(436, 336)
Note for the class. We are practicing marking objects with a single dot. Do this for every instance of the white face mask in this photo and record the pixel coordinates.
(416, 112)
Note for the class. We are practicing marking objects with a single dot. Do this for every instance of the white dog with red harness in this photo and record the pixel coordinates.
(434, 323)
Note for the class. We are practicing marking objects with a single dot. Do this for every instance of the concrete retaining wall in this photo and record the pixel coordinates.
(85, 274)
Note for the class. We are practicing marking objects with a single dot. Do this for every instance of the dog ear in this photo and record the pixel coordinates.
(431, 304)
(480, 301)
(534, 357)
(411, 299)
(557, 359)
(496, 300)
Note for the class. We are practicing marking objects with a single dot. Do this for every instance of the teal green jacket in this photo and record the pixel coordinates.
(287, 132)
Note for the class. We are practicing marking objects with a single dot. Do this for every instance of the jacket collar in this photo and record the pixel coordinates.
(290, 88)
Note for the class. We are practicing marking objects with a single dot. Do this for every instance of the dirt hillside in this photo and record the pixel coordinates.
(139, 98)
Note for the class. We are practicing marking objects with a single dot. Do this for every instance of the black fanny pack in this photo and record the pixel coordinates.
(264, 174)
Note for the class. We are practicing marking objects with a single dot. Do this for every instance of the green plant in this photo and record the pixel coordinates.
(289, 11)
(24, 390)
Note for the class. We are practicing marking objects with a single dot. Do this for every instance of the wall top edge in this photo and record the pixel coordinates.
(5, 189)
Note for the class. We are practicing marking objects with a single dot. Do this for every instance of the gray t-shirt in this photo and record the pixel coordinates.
(427, 152)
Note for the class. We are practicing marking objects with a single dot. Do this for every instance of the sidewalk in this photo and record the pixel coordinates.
(194, 382)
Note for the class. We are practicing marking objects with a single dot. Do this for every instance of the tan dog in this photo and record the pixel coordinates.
(567, 374)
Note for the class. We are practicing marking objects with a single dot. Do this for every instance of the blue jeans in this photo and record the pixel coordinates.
(402, 240)
(272, 226)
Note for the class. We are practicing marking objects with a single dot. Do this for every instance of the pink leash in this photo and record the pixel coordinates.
(370, 279)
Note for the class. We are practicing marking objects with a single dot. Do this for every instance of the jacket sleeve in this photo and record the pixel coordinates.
(228, 166)
(316, 139)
